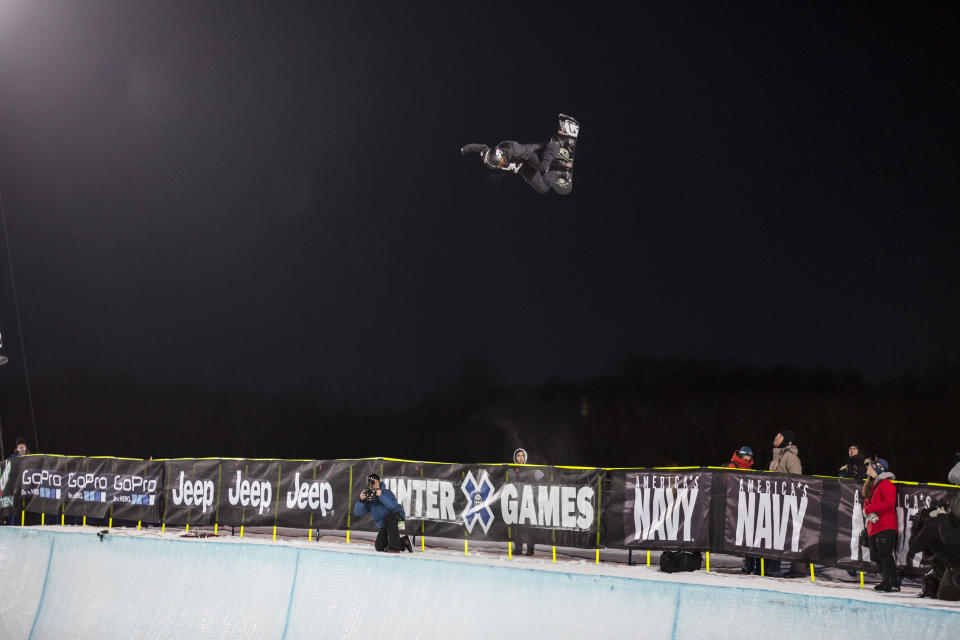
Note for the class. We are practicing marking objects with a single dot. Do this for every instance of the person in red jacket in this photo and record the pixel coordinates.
(742, 458)
(880, 500)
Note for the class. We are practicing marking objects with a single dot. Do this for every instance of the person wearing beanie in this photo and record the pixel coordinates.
(742, 458)
(521, 474)
(855, 467)
(953, 476)
(21, 449)
(879, 512)
(786, 458)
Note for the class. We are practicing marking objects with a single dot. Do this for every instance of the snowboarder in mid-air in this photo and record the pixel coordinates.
(544, 166)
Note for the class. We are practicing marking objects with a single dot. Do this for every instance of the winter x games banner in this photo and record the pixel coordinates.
(546, 505)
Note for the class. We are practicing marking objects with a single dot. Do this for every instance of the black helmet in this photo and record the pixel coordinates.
(494, 158)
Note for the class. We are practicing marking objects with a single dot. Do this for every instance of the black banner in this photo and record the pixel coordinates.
(93, 487)
(543, 505)
(314, 494)
(773, 515)
(9, 488)
(667, 510)
(192, 491)
(910, 500)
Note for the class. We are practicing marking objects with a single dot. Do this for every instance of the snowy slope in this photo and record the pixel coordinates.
(66, 582)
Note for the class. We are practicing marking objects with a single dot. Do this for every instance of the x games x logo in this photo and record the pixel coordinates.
(479, 493)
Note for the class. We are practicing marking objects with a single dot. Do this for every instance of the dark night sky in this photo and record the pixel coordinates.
(271, 194)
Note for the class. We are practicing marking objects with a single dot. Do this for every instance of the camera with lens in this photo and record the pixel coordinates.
(369, 494)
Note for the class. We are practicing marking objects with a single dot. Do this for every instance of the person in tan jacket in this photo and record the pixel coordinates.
(785, 454)
(786, 460)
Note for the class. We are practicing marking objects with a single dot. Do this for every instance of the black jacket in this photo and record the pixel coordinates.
(940, 536)
(855, 468)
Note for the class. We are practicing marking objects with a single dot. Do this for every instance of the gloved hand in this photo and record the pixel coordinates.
(874, 518)
(474, 148)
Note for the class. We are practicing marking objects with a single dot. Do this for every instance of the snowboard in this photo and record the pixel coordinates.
(567, 132)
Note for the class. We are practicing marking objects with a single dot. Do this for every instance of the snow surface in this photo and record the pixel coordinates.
(66, 582)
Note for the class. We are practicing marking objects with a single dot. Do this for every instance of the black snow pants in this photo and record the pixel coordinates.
(882, 546)
(388, 538)
(536, 169)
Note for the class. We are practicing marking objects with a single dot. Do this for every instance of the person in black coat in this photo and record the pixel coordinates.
(937, 531)
(855, 467)
(521, 475)
(531, 161)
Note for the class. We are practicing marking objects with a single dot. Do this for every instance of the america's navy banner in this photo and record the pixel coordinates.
(773, 515)
(911, 499)
(667, 509)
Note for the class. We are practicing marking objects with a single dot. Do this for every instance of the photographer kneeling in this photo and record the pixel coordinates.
(387, 514)
(936, 530)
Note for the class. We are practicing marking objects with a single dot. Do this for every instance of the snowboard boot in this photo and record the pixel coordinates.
(407, 543)
(529, 550)
(887, 588)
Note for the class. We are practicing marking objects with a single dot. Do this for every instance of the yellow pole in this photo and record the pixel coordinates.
(861, 579)
(762, 568)
(598, 556)
(43, 519)
(84, 520)
(138, 524)
(163, 527)
(648, 557)
(811, 572)
(708, 562)
(423, 543)
(214, 527)
(554, 553)
(63, 519)
(241, 531)
(274, 533)
(509, 550)
(465, 547)
(23, 518)
(309, 535)
(110, 522)
(187, 530)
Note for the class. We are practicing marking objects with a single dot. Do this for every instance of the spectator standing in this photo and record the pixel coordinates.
(880, 500)
(855, 466)
(21, 449)
(522, 475)
(954, 475)
(786, 458)
(742, 458)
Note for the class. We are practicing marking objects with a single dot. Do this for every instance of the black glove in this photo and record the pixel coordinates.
(474, 148)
